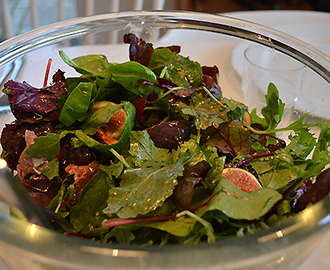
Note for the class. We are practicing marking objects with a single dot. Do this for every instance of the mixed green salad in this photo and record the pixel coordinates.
(134, 152)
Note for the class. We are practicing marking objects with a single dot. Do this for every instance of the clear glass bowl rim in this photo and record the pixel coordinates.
(14, 231)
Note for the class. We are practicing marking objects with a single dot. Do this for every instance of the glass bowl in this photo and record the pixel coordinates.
(209, 39)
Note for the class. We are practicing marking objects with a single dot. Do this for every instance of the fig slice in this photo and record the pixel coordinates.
(111, 132)
(243, 179)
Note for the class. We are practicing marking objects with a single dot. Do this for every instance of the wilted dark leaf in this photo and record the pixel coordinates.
(170, 134)
(13, 142)
(185, 190)
(211, 71)
(313, 193)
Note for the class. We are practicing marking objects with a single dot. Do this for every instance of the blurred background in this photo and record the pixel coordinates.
(17, 16)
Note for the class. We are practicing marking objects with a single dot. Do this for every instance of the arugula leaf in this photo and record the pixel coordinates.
(191, 150)
(238, 204)
(114, 169)
(122, 235)
(143, 190)
(236, 114)
(321, 156)
(77, 103)
(237, 109)
(183, 72)
(278, 171)
(213, 176)
(306, 139)
(257, 119)
(323, 142)
(273, 112)
(143, 149)
(52, 169)
(205, 112)
(210, 153)
(233, 104)
(180, 227)
(47, 147)
(57, 200)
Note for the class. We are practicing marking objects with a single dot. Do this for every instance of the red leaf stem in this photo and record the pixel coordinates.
(63, 149)
(228, 142)
(119, 222)
(47, 72)
(244, 161)
(159, 85)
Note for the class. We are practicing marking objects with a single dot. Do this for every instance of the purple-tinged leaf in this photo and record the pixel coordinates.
(212, 86)
(41, 189)
(139, 50)
(26, 98)
(231, 138)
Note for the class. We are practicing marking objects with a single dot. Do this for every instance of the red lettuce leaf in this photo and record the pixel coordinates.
(139, 50)
(13, 141)
(231, 138)
(24, 98)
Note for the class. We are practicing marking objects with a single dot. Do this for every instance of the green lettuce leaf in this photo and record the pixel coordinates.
(160, 58)
(91, 200)
(52, 169)
(238, 204)
(94, 64)
(100, 118)
(77, 103)
(131, 76)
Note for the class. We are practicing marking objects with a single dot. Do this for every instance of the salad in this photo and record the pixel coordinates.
(150, 152)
